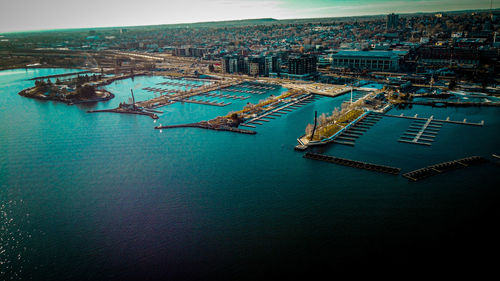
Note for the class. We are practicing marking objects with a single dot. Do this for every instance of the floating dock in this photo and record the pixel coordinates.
(282, 109)
(447, 120)
(356, 129)
(242, 91)
(422, 132)
(205, 102)
(181, 84)
(353, 163)
(428, 171)
(215, 95)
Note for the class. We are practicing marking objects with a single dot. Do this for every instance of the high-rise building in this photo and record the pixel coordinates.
(224, 64)
(272, 65)
(304, 64)
(256, 66)
(392, 21)
(233, 65)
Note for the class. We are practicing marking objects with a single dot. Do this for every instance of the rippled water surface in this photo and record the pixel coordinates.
(105, 196)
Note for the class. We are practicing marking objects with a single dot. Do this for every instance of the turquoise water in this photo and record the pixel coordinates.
(106, 197)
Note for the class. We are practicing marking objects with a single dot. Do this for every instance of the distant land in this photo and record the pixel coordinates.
(252, 22)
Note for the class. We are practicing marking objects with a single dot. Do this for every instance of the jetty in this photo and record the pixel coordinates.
(128, 111)
(60, 75)
(208, 126)
(347, 134)
(353, 163)
(439, 168)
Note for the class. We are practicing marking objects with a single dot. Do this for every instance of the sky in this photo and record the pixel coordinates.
(23, 15)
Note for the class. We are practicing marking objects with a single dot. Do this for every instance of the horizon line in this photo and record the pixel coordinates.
(236, 20)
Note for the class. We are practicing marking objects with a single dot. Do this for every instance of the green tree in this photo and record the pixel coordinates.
(86, 91)
(452, 85)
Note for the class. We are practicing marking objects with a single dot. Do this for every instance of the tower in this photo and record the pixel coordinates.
(392, 21)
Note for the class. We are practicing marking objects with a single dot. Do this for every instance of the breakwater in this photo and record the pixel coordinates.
(60, 75)
(205, 125)
(353, 163)
(126, 111)
(432, 170)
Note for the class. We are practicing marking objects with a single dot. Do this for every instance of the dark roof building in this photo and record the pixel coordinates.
(370, 60)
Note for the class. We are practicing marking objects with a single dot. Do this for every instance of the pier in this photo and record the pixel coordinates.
(353, 163)
(428, 171)
(347, 134)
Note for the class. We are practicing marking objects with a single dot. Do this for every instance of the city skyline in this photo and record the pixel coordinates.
(57, 14)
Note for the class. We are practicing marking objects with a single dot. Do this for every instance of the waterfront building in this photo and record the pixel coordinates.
(233, 65)
(272, 65)
(370, 60)
(304, 64)
(224, 64)
(256, 66)
(188, 51)
(439, 56)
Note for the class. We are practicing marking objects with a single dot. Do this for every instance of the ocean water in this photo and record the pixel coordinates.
(104, 196)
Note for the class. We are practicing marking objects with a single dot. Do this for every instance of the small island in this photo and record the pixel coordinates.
(81, 89)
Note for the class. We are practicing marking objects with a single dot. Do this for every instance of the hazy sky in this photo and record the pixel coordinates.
(19, 15)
